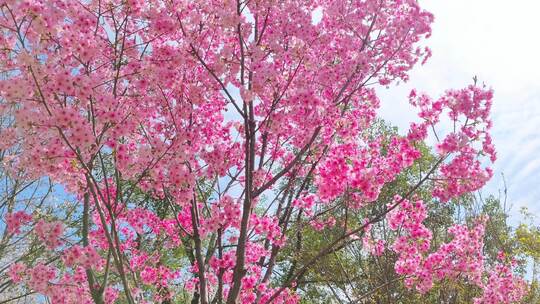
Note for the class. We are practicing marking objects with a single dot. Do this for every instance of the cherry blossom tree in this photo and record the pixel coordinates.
(19, 195)
(198, 136)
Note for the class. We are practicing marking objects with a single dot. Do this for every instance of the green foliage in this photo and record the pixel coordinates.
(352, 275)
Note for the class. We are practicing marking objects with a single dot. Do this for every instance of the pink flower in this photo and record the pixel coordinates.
(15, 220)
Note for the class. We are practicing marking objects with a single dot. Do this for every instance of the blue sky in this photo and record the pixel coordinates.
(499, 41)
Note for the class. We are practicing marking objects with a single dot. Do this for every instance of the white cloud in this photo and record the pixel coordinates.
(498, 41)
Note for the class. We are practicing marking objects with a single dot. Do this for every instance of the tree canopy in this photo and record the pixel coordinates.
(232, 152)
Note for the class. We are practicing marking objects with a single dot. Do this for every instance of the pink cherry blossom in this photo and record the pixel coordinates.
(200, 137)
